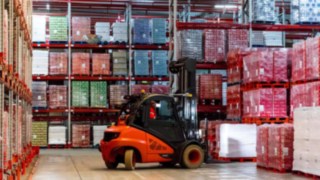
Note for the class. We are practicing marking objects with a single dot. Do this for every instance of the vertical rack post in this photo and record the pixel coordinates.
(250, 22)
(1, 92)
(128, 21)
(69, 76)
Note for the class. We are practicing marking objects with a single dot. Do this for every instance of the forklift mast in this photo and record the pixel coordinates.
(185, 69)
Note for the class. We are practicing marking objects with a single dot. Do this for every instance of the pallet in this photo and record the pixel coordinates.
(307, 23)
(212, 102)
(38, 42)
(237, 159)
(57, 146)
(103, 42)
(79, 42)
(258, 85)
(300, 173)
(268, 120)
(58, 42)
(263, 22)
(274, 169)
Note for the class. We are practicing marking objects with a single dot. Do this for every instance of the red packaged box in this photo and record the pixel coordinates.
(313, 94)
(80, 63)
(234, 102)
(80, 28)
(136, 89)
(57, 96)
(312, 58)
(279, 102)
(214, 45)
(262, 145)
(117, 93)
(101, 64)
(58, 63)
(160, 89)
(80, 135)
(281, 60)
(210, 86)
(299, 97)
(237, 39)
(262, 102)
(280, 150)
(298, 61)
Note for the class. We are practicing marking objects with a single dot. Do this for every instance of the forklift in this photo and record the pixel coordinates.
(158, 128)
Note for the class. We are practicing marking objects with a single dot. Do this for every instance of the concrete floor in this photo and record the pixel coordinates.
(87, 164)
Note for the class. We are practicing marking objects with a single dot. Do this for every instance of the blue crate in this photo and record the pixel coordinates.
(141, 31)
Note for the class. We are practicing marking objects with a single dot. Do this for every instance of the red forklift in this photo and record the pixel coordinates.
(158, 128)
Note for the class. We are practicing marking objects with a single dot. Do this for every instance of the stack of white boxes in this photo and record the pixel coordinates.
(307, 140)
(57, 135)
(38, 28)
(273, 38)
(303, 11)
(264, 10)
(102, 30)
(40, 62)
(120, 32)
(98, 133)
(237, 140)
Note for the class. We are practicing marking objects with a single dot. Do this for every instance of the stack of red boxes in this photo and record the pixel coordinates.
(80, 135)
(214, 45)
(234, 102)
(117, 93)
(5, 139)
(5, 36)
(57, 96)
(160, 89)
(138, 88)
(262, 145)
(298, 61)
(210, 87)
(312, 59)
(58, 63)
(80, 63)
(80, 28)
(280, 147)
(19, 130)
(101, 64)
(237, 39)
(281, 63)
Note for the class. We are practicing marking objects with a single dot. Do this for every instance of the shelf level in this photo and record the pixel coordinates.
(211, 109)
(76, 110)
(96, 78)
(222, 65)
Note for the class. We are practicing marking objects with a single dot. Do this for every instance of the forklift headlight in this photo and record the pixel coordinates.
(108, 136)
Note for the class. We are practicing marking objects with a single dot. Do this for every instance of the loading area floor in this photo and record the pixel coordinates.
(87, 164)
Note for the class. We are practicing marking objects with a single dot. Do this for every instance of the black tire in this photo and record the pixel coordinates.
(112, 165)
(168, 164)
(192, 157)
(129, 159)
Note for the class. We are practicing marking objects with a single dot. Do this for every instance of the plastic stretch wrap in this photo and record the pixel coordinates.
(80, 93)
(159, 63)
(141, 63)
(120, 63)
(58, 63)
(117, 93)
(141, 31)
(190, 44)
(237, 140)
(102, 30)
(280, 146)
(312, 58)
(120, 32)
(40, 62)
(57, 135)
(303, 11)
(159, 31)
(281, 60)
(39, 133)
(80, 28)
(160, 89)
(81, 135)
(306, 140)
(210, 86)
(57, 96)
(98, 133)
(39, 28)
(264, 10)
(58, 27)
(314, 93)
(80, 63)
(214, 45)
(98, 93)
(136, 89)
(234, 102)
(298, 97)
(262, 145)
(298, 61)
(39, 94)
(101, 64)
(237, 39)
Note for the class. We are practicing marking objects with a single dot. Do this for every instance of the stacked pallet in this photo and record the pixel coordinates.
(57, 96)
(214, 45)
(80, 93)
(117, 93)
(39, 28)
(98, 133)
(120, 63)
(264, 11)
(100, 64)
(39, 134)
(141, 31)
(39, 94)
(237, 39)
(102, 30)
(81, 135)
(120, 32)
(159, 63)
(40, 62)
(58, 63)
(80, 28)
(138, 88)
(158, 31)
(80, 63)
(304, 12)
(57, 135)
(262, 145)
(190, 44)
(58, 27)
(98, 93)
(298, 61)
(141, 63)
(160, 89)
(306, 140)
(210, 87)
(234, 100)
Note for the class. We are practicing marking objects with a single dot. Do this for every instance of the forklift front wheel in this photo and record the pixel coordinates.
(129, 159)
(112, 165)
(192, 157)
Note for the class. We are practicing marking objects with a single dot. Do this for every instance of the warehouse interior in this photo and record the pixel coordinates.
(166, 89)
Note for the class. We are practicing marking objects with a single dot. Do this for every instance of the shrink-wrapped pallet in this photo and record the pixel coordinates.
(298, 61)
(39, 28)
(117, 93)
(141, 31)
(102, 30)
(58, 27)
(190, 43)
(57, 96)
(159, 63)
(281, 60)
(214, 45)
(57, 135)
(39, 94)
(141, 63)
(305, 12)
(80, 28)
(262, 145)
(159, 31)
(120, 32)
(120, 63)
(100, 64)
(58, 63)
(80, 63)
(210, 86)
(40, 134)
(81, 135)
(98, 93)
(137, 89)
(237, 39)
(40, 62)
(312, 58)
(80, 93)
(264, 11)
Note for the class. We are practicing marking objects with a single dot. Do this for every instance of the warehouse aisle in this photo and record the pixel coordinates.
(86, 164)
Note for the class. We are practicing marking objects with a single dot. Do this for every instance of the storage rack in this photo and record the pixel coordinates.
(115, 10)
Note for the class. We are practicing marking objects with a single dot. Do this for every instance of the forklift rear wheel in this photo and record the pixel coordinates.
(192, 157)
(112, 165)
(129, 159)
